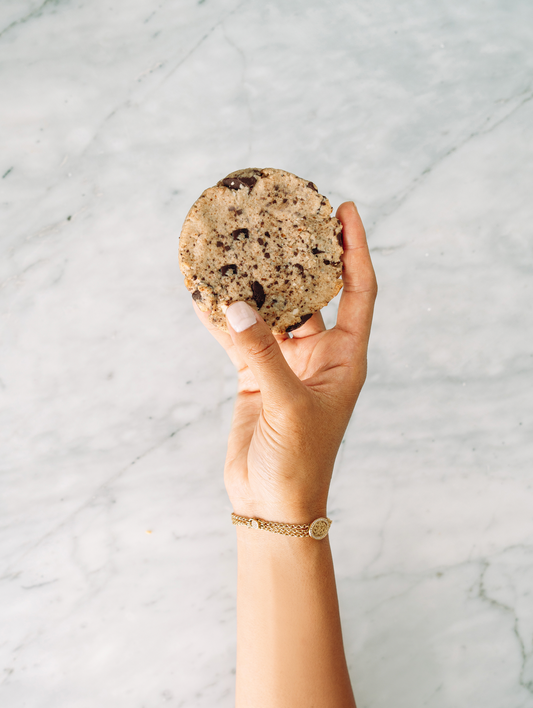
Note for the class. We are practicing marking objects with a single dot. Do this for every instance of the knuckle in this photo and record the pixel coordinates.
(263, 350)
(369, 285)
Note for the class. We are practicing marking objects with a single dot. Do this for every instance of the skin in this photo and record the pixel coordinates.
(295, 399)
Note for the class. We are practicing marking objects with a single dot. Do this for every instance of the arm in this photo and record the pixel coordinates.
(295, 399)
(289, 641)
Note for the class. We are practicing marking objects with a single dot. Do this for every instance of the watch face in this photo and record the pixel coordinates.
(319, 528)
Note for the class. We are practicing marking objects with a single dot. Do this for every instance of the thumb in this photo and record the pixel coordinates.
(259, 349)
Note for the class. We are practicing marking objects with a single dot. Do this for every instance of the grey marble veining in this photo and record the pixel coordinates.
(117, 583)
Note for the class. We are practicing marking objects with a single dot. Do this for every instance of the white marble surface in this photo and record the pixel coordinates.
(117, 580)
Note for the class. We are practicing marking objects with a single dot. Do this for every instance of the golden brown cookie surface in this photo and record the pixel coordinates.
(266, 237)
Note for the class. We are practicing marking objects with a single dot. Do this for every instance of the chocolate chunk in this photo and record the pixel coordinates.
(267, 255)
(258, 294)
(233, 183)
(197, 295)
(240, 232)
(299, 266)
(260, 241)
(312, 186)
(249, 181)
(339, 238)
(220, 244)
(267, 234)
(226, 268)
(238, 182)
(315, 251)
(304, 319)
(326, 262)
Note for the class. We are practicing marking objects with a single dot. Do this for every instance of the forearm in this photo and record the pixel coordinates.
(290, 652)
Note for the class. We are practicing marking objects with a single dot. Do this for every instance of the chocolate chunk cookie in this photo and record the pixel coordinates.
(266, 237)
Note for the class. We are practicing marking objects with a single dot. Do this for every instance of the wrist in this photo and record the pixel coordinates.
(265, 541)
(281, 514)
(317, 528)
(283, 507)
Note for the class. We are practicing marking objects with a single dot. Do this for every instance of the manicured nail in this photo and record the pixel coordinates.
(240, 316)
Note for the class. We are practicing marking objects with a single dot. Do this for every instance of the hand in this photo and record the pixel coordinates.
(295, 396)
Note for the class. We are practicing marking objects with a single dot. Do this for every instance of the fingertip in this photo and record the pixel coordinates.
(347, 206)
(353, 231)
(240, 316)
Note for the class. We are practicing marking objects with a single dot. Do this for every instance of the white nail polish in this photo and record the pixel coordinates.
(240, 316)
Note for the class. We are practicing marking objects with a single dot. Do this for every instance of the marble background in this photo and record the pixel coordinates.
(118, 559)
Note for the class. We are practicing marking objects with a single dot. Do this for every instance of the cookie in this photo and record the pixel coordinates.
(266, 237)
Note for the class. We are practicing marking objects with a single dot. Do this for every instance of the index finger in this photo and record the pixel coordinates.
(359, 280)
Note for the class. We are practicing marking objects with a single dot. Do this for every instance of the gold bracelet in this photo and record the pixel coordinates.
(317, 529)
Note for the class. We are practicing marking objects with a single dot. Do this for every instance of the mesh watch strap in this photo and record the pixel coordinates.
(317, 529)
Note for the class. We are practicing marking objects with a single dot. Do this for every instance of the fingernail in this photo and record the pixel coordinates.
(240, 316)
